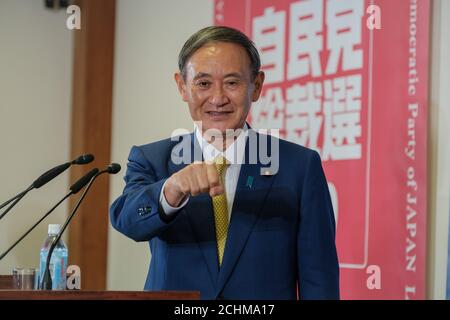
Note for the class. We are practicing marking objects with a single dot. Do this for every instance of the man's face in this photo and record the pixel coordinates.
(218, 86)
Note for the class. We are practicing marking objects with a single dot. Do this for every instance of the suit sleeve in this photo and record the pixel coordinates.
(318, 267)
(137, 212)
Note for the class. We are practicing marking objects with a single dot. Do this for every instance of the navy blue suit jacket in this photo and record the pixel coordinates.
(281, 238)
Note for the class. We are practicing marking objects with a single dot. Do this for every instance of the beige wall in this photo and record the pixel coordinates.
(35, 89)
(149, 35)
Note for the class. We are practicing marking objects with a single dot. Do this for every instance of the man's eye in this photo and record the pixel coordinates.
(203, 84)
(232, 83)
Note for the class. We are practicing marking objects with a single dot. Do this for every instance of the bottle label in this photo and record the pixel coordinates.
(58, 268)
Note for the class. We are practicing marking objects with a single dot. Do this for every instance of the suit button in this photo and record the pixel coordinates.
(144, 211)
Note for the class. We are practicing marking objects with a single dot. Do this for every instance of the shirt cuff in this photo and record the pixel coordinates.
(166, 207)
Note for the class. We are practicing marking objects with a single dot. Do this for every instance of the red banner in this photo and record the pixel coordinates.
(349, 78)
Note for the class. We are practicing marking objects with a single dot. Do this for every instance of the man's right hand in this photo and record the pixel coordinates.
(196, 178)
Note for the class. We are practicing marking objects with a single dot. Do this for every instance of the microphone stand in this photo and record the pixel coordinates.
(45, 178)
(75, 188)
(17, 198)
(34, 226)
(46, 283)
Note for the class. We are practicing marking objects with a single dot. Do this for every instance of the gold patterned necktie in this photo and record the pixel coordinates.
(221, 209)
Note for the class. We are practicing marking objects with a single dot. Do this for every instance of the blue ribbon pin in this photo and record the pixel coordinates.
(249, 181)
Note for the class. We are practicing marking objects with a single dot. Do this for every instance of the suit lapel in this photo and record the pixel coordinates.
(251, 192)
(199, 209)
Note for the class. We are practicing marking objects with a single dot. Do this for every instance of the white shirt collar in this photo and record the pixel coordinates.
(234, 153)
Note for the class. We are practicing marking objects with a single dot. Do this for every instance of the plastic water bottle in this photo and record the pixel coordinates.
(58, 263)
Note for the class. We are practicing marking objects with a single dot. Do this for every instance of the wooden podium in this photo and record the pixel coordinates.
(6, 293)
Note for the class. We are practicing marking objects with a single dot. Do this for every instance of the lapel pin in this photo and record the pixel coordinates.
(249, 181)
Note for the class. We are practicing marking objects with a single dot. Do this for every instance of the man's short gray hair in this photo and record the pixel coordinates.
(219, 34)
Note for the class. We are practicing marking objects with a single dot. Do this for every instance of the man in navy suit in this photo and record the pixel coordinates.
(218, 219)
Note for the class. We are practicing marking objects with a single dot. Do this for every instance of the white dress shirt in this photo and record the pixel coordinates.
(234, 155)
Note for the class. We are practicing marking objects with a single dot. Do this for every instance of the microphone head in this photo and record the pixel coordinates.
(113, 168)
(84, 159)
(84, 180)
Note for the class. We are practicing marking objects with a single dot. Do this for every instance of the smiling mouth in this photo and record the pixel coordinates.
(218, 113)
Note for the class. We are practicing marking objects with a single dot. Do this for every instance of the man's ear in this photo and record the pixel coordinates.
(258, 84)
(181, 86)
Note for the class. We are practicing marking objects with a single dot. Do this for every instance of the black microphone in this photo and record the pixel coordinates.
(84, 159)
(46, 283)
(113, 168)
(77, 186)
(50, 175)
(45, 178)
